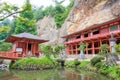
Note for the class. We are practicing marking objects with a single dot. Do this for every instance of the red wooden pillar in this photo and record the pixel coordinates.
(26, 48)
(71, 48)
(16, 45)
(67, 49)
(34, 49)
(76, 49)
(93, 49)
(110, 47)
(87, 50)
(100, 44)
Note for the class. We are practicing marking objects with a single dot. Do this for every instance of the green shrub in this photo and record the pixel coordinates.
(76, 62)
(104, 70)
(84, 64)
(98, 65)
(117, 47)
(113, 71)
(69, 64)
(43, 62)
(118, 73)
(72, 63)
(96, 59)
(5, 46)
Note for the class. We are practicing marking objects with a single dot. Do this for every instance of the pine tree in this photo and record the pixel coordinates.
(26, 22)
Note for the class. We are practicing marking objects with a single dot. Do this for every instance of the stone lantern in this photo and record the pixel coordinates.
(81, 55)
(112, 43)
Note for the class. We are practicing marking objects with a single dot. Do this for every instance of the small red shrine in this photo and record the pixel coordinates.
(26, 44)
(94, 35)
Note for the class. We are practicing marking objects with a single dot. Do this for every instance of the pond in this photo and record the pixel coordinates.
(53, 74)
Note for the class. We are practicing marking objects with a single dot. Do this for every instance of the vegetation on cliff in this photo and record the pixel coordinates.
(59, 12)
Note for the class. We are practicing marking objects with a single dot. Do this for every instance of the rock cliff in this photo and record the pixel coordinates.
(84, 13)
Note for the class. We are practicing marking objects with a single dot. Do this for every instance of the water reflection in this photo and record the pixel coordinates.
(55, 74)
(83, 75)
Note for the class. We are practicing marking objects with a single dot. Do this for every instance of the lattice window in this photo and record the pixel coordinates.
(114, 28)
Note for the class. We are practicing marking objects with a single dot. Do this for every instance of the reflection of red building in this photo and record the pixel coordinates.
(94, 35)
(23, 44)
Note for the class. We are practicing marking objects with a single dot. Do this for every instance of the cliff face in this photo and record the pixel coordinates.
(46, 29)
(84, 13)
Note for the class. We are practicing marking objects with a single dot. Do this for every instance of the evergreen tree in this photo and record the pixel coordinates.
(26, 22)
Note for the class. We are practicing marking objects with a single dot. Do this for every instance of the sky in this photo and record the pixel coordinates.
(36, 3)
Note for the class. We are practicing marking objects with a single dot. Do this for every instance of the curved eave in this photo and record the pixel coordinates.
(12, 39)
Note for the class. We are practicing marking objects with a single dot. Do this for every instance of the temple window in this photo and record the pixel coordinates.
(69, 39)
(78, 36)
(113, 28)
(86, 35)
(96, 32)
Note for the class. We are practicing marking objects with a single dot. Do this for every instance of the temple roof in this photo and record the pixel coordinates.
(26, 36)
(94, 26)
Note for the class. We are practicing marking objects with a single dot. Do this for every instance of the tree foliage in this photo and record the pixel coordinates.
(26, 22)
(5, 46)
(57, 50)
(47, 50)
(4, 31)
(7, 10)
(117, 47)
(83, 46)
(104, 48)
(59, 12)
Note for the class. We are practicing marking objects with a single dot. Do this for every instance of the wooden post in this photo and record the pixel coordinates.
(72, 49)
(16, 45)
(67, 49)
(100, 42)
(93, 49)
(77, 48)
(26, 48)
(87, 50)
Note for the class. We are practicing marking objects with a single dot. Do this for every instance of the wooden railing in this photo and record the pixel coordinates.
(8, 55)
(93, 36)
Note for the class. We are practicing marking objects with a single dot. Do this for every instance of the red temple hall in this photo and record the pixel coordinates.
(26, 43)
(93, 35)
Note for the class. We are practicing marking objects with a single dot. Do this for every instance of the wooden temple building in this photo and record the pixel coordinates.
(24, 44)
(95, 36)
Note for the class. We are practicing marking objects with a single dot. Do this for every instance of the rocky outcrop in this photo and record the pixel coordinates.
(84, 13)
(46, 29)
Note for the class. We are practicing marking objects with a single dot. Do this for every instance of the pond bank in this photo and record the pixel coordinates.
(112, 72)
(47, 63)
